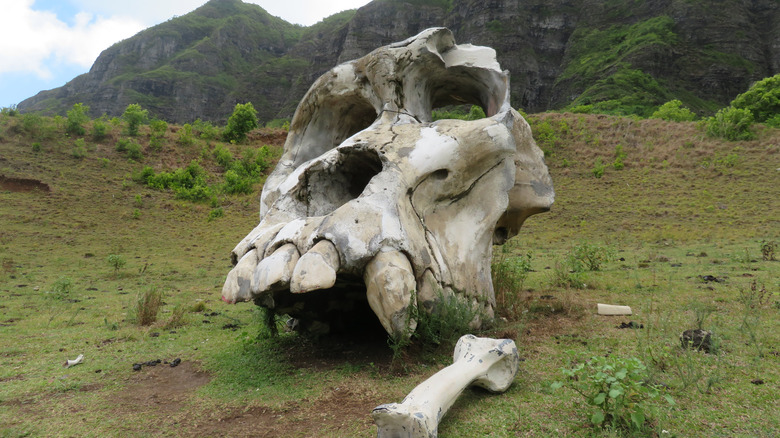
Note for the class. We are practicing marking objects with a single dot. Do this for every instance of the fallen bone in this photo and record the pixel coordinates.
(489, 363)
(69, 363)
(609, 309)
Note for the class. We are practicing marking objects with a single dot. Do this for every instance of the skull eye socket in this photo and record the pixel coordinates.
(330, 188)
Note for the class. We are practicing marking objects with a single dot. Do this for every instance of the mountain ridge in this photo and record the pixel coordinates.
(616, 56)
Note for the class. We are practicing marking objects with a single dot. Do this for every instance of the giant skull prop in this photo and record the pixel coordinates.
(373, 203)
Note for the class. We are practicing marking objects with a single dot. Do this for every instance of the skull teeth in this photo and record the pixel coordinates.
(389, 285)
(238, 285)
(316, 269)
(275, 271)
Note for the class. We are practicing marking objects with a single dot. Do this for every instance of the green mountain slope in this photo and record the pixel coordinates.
(623, 57)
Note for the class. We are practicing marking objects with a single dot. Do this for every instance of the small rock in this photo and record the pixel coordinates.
(136, 367)
(697, 339)
(757, 382)
(630, 325)
(154, 334)
(175, 362)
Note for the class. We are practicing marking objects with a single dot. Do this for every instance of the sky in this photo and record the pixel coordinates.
(46, 43)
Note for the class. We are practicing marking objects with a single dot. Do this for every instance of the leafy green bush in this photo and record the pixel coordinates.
(205, 130)
(117, 262)
(99, 129)
(61, 288)
(590, 257)
(619, 157)
(731, 123)
(240, 123)
(673, 111)
(762, 100)
(134, 116)
(598, 168)
(185, 135)
(618, 389)
(77, 117)
(79, 149)
(475, 113)
(216, 213)
(188, 183)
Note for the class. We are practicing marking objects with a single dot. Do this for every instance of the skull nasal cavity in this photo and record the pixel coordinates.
(334, 186)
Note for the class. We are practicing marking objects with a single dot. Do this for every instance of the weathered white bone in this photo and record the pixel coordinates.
(275, 271)
(69, 363)
(238, 284)
(366, 171)
(610, 309)
(389, 286)
(316, 269)
(485, 362)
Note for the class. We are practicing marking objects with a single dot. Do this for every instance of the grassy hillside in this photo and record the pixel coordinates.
(686, 219)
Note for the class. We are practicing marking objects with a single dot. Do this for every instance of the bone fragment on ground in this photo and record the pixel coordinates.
(69, 363)
(316, 269)
(389, 286)
(274, 272)
(489, 363)
(610, 309)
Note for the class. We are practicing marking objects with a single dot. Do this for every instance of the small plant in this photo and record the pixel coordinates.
(146, 307)
(618, 389)
(619, 157)
(590, 257)
(134, 116)
(79, 150)
(701, 312)
(177, 318)
(509, 275)
(77, 117)
(136, 214)
(36, 146)
(117, 262)
(216, 214)
(768, 249)
(138, 202)
(563, 276)
(61, 288)
(598, 168)
(243, 120)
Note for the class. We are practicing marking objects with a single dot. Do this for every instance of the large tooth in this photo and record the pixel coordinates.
(316, 269)
(239, 280)
(274, 272)
(389, 286)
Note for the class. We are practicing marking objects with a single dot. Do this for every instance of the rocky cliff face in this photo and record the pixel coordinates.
(626, 54)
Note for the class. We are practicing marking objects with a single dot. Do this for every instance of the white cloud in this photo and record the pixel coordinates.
(35, 39)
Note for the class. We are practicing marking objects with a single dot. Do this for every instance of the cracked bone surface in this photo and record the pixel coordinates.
(373, 207)
(485, 362)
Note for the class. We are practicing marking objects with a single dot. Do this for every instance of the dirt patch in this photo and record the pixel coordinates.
(23, 185)
(162, 388)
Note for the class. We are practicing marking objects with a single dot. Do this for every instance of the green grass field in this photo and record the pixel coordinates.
(681, 208)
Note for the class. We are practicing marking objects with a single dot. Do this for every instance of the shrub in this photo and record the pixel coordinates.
(205, 130)
(240, 123)
(673, 111)
(216, 214)
(134, 151)
(134, 116)
(618, 389)
(186, 138)
(598, 168)
(146, 307)
(77, 117)
(99, 130)
(61, 288)
(36, 146)
(762, 100)
(590, 257)
(117, 262)
(79, 149)
(509, 275)
(158, 128)
(222, 156)
(731, 123)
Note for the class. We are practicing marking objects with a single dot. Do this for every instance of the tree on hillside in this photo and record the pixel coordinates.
(243, 120)
(762, 100)
(77, 117)
(134, 116)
